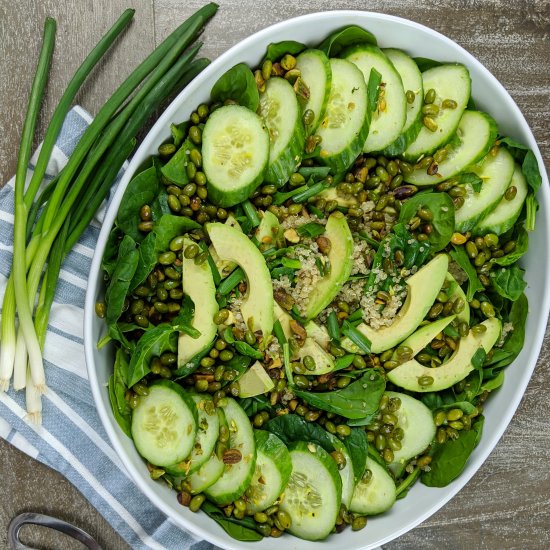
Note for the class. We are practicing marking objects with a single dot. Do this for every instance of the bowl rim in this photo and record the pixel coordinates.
(163, 122)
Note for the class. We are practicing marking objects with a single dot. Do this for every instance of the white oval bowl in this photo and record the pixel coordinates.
(490, 96)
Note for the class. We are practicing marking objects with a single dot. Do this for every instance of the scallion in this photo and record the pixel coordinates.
(358, 338)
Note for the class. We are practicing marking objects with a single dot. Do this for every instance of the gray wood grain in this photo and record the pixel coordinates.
(507, 503)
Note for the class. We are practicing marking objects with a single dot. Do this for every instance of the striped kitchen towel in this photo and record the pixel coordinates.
(71, 438)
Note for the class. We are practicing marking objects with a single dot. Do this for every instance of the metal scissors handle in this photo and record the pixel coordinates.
(46, 521)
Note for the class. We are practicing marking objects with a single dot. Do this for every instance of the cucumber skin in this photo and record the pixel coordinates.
(184, 396)
(376, 469)
(328, 71)
(286, 163)
(341, 161)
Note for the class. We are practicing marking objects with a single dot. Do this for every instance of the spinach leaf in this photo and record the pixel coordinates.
(117, 393)
(347, 36)
(276, 50)
(157, 241)
(318, 173)
(358, 448)
(143, 189)
(472, 179)
(239, 364)
(528, 161)
(461, 258)
(254, 405)
(179, 131)
(240, 529)
(514, 343)
(437, 400)
(119, 284)
(246, 349)
(238, 84)
(108, 262)
(311, 229)
(425, 63)
(442, 208)
(449, 459)
(291, 427)
(478, 358)
(509, 283)
(494, 383)
(176, 168)
(472, 387)
(522, 244)
(465, 406)
(359, 399)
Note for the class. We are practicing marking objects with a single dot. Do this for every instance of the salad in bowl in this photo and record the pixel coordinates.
(313, 287)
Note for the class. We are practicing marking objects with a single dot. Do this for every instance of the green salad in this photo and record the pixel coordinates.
(314, 286)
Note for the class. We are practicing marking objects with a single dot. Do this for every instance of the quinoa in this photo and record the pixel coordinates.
(506, 329)
(234, 305)
(376, 316)
(362, 257)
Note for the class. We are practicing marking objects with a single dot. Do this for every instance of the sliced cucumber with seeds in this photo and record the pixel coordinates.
(211, 470)
(273, 468)
(164, 424)
(452, 82)
(496, 173)
(237, 475)
(506, 213)
(314, 67)
(475, 135)
(282, 115)
(345, 126)
(389, 119)
(208, 430)
(313, 493)
(375, 493)
(417, 423)
(412, 83)
(235, 154)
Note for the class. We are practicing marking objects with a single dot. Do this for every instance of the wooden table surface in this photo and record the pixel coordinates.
(507, 504)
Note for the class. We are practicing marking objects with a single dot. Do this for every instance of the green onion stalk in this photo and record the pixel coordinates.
(43, 237)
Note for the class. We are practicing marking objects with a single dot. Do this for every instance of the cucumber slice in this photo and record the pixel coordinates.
(475, 135)
(164, 424)
(346, 473)
(412, 80)
(388, 123)
(273, 468)
(235, 154)
(313, 493)
(198, 284)
(314, 67)
(211, 470)
(208, 430)
(450, 81)
(375, 494)
(345, 126)
(496, 173)
(281, 113)
(417, 423)
(504, 216)
(236, 477)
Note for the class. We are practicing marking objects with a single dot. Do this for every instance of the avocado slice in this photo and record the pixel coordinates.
(269, 231)
(340, 256)
(255, 381)
(455, 291)
(318, 333)
(198, 284)
(257, 306)
(422, 336)
(225, 267)
(423, 288)
(452, 371)
(330, 194)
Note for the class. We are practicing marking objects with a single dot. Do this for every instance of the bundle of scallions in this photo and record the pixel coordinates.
(49, 220)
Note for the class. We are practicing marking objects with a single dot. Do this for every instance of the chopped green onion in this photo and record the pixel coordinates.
(309, 192)
(246, 349)
(288, 368)
(315, 211)
(279, 332)
(311, 229)
(279, 198)
(332, 326)
(357, 315)
(315, 172)
(231, 281)
(251, 213)
(358, 338)
(228, 336)
(291, 263)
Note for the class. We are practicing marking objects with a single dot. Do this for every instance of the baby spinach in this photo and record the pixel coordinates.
(179, 131)
(123, 272)
(522, 244)
(108, 262)
(472, 179)
(529, 165)
(465, 406)
(240, 529)
(291, 427)
(117, 393)
(509, 283)
(238, 84)
(176, 168)
(425, 63)
(359, 399)
(494, 383)
(276, 50)
(478, 358)
(253, 405)
(247, 350)
(347, 36)
(449, 459)
(472, 385)
(442, 208)
(358, 448)
(157, 241)
(311, 229)
(461, 258)
(143, 189)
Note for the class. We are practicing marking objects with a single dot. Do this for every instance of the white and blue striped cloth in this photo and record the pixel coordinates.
(71, 438)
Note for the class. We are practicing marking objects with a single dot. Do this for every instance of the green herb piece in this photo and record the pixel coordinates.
(279, 332)
(449, 459)
(240, 529)
(478, 358)
(253, 405)
(358, 448)
(246, 349)
(251, 213)
(358, 338)
(276, 50)
(237, 84)
(332, 326)
(306, 194)
(230, 282)
(461, 258)
(359, 399)
(522, 244)
(472, 179)
(373, 90)
(291, 263)
(311, 230)
(343, 362)
(316, 173)
(351, 35)
(425, 63)
(176, 168)
(117, 393)
(509, 283)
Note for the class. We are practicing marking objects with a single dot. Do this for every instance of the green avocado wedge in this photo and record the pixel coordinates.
(423, 288)
(340, 256)
(232, 244)
(452, 371)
